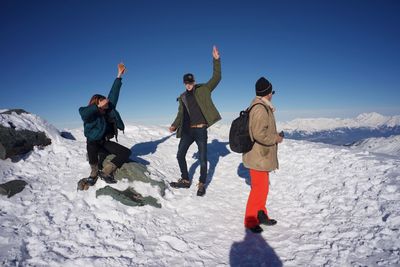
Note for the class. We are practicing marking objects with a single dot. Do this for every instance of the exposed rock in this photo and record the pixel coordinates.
(18, 111)
(134, 171)
(17, 142)
(12, 187)
(2, 152)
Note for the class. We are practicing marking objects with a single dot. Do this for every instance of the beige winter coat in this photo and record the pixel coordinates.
(263, 156)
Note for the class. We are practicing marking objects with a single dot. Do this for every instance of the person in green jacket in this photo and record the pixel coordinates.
(101, 122)
(196, 113)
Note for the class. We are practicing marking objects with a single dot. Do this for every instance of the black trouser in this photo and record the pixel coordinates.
(98, 151)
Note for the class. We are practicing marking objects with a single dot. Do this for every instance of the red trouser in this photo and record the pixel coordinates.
(257, 197)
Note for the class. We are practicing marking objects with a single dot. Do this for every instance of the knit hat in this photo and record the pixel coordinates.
(263, 87)
(188, 78)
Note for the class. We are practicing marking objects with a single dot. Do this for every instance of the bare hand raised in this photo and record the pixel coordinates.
(121, 69)
(215, 52)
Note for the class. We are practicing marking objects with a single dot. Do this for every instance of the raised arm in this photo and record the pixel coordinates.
(216, 77)
(115, 89)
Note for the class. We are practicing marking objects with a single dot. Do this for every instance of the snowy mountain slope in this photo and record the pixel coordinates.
(365, 120)
(29, 121)
(334, 207)
(389, 145)
(342, 131)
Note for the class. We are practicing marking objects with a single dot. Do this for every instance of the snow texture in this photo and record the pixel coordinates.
(335, 206)
(365, 120)
(389, 145)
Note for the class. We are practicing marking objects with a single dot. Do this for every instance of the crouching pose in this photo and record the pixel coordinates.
(101, 122)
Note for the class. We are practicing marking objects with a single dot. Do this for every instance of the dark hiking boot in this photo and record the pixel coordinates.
(85, 183)
(264, 219)
(182, 183)
(91, 180)
(109, 179)
(256, 229)
(202, 190)
(107, 173)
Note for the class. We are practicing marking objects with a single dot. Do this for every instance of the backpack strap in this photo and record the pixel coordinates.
(248, 110)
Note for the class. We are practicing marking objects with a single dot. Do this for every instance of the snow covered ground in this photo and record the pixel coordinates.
(389, 145)
(335, 206)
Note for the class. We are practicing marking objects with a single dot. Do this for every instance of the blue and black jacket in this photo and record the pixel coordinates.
(97, 125)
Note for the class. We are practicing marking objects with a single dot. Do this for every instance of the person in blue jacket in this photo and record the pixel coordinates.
(101, 122)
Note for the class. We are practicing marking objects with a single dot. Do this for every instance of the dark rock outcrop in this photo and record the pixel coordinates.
(17, 142)
(134, 171)
(18, 111)
(12, 187)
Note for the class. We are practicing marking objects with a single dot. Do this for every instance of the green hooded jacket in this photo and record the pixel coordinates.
(94, 123)
(202, 93)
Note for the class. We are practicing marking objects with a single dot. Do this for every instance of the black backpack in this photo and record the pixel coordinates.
(239, 135)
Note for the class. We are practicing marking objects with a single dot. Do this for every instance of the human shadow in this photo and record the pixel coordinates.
(243, 172)
(215, 151)
(146, 148)
(253, 250)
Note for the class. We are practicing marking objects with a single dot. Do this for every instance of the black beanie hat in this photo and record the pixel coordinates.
(263, 87)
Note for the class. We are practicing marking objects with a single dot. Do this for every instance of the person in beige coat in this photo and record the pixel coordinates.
(262, 158)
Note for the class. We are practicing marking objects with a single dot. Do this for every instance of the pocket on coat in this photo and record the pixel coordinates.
(264, 151)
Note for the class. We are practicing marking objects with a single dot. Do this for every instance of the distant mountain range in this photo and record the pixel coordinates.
(342, 131)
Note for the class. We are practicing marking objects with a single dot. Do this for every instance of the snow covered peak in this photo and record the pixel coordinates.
(368, 120)
(373, 119)
(28, 121)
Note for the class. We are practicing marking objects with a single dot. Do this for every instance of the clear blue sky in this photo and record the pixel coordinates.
(324, 58)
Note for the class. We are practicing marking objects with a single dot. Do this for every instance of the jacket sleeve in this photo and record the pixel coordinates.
(88, 113)
(259, 126)
(114, 92)
(216, 77)
(179, 116)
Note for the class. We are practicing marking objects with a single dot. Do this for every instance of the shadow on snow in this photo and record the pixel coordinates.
(215, 151)
(253, 250)
(243, 172)
(146, 148)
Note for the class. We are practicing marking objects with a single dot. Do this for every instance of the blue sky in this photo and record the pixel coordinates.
(324, 58)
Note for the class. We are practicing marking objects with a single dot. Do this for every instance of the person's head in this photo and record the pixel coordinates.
(264, 88)
(95, 99)
(188, 80)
